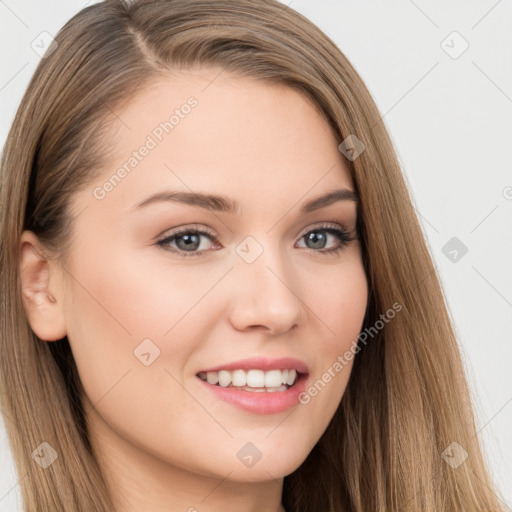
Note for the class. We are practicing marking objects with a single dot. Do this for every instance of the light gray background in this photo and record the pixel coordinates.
(450, 120)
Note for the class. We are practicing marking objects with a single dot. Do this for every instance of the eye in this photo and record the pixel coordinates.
(319, 241)
(187, 241)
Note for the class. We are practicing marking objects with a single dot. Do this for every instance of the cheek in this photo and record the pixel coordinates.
(132, 331)
(338, 302)
(121, 305)
(339, 314)
(135, 298)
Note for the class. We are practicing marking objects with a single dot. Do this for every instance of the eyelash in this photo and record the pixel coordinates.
(341, 233)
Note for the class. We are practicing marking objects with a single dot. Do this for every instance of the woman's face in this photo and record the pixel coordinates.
(145, 313)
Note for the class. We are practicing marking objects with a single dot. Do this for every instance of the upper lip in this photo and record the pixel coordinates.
(262, 363)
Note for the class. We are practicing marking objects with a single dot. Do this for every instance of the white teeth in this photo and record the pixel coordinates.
(292, 374)
(267, 390)
(212, 377)
(273, 378)
(239, 378)
(258, 380)
(224, 378)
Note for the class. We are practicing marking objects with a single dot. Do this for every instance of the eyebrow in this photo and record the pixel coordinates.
(224, 204)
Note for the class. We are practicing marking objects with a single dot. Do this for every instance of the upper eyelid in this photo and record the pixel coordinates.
(344, 235)
(204, 230)
(351, 235)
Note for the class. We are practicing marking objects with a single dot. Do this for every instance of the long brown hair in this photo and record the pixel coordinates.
(407, 398)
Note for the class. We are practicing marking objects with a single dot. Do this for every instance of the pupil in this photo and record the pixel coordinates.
(315, 237)
(191, 241)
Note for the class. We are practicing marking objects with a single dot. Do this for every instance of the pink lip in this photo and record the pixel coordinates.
(262, 363)
(260, 402)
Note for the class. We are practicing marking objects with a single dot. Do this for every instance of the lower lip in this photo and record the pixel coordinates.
(260, 402)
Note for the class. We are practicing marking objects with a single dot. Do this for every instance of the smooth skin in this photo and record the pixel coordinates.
(165, 442)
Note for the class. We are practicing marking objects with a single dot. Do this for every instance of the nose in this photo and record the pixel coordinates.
(266, 296)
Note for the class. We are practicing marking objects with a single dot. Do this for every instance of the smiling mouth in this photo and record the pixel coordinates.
(253, 380)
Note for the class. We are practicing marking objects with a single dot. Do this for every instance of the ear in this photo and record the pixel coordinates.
(42, 291)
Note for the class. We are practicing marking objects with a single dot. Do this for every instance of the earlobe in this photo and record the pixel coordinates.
(42, 297)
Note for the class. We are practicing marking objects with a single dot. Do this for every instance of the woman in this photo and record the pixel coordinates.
(215, 292)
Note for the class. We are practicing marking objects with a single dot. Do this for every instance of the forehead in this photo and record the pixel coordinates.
(208, 130)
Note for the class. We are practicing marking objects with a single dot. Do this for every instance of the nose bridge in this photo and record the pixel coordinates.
(268, 297)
